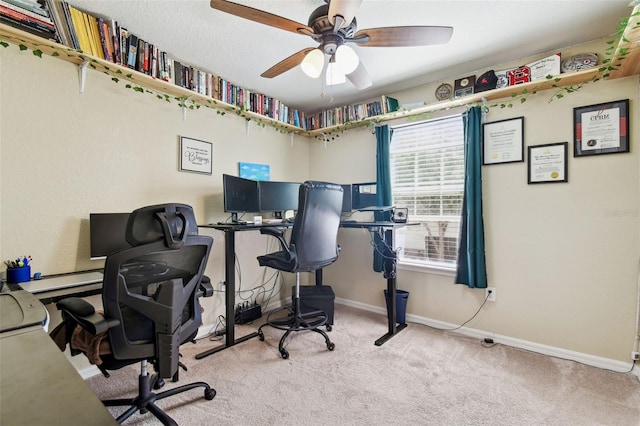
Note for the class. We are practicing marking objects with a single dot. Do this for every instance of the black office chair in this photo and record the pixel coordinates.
(313, 245)
(150, 297)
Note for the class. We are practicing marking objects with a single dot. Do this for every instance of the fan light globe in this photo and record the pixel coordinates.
(313, 63)
(347, 59)
(335, 74)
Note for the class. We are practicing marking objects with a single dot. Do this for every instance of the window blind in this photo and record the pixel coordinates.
(427, 178)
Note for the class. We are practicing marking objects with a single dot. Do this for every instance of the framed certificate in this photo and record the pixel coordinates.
(196, 156)
(548, 163)
(601, 128)
(503, 141)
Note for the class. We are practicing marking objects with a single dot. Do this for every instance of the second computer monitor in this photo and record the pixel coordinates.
(278, 197)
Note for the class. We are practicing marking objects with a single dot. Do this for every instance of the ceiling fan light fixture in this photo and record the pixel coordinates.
(313, 63)
(334, 74)
(347, 59)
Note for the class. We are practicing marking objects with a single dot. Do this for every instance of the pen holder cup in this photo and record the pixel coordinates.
(19, 275)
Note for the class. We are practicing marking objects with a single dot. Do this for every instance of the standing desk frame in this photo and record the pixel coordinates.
(389, 263)
(229, 230)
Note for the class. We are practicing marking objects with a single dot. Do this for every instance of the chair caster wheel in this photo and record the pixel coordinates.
(158, 384)
(209, 394)
(284, 354)
(329, 328)
(261, 335)
(331, 346)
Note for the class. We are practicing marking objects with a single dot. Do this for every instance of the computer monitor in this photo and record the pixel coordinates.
(347, 205)
(240, 195)
(107, 234)
(363, 195)
(278, 197)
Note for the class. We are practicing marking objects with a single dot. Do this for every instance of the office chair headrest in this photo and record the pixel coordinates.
(170, 222)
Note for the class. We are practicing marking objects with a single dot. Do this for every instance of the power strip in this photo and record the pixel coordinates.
(247, 312)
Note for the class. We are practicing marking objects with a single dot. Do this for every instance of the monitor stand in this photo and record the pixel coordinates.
(234, 219)
(277, 215)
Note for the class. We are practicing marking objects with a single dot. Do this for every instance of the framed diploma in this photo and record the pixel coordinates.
(503, 141)
(548, 163)
(601, 128)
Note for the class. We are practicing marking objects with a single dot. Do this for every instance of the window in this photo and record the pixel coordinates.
(427, 178)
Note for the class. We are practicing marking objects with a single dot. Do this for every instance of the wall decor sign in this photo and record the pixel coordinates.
(254, 171)
(601, 128)
(196, 156)
(503, 141)
(548, 163)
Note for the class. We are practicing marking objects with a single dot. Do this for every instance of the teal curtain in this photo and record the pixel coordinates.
(472, 269)
(383, 192)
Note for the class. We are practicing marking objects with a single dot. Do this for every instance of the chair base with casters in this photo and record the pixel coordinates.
(145, 400)
(296, 321)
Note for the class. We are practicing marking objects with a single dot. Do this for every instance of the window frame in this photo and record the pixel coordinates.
(433, 267)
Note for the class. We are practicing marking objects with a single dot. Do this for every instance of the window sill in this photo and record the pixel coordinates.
(426, 269)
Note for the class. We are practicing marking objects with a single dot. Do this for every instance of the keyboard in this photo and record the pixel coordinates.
(272, 220)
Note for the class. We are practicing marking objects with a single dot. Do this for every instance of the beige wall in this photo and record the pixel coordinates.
(563, 257)
(565, 270)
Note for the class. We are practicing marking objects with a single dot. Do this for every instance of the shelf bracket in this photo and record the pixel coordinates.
(82, 74)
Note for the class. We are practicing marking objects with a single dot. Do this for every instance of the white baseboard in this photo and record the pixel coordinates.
(595, 361)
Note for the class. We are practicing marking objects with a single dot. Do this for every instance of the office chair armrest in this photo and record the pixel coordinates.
(85, 315)
(275, 232)
(205, 288)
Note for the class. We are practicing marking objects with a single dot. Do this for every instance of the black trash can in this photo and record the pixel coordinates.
(401, 305)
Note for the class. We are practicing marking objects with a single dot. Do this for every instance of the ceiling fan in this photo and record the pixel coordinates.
(333, 25)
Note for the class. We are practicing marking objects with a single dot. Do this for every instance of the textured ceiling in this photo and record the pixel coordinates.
(486, 33)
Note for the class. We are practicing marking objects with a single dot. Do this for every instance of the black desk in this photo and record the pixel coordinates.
(229, 231)
(389, 270)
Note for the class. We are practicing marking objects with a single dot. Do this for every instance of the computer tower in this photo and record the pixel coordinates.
(317, 298)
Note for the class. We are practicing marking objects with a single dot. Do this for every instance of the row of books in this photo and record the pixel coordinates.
(30, 16)
(350, 113)
(107, 39)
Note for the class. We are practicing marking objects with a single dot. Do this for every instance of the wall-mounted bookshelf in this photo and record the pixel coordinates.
(626, 61)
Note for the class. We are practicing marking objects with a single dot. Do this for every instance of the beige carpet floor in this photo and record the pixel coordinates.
(421, 376)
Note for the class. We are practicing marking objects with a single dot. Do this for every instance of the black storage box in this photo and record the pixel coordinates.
(316, 298)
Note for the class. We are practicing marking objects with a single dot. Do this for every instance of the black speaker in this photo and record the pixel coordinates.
(400, 215)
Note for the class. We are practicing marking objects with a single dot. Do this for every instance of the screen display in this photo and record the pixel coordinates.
(278, 196)
(240, 195)
(363, 195)
(107, 233)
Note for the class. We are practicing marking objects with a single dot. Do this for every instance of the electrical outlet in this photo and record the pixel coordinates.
(223, 287)
(635, 356)
(490, 294)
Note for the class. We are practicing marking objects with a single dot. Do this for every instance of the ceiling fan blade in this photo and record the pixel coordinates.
(345, 8)
(286, 64)
(402, 36)
(259, 16)
(360, 78)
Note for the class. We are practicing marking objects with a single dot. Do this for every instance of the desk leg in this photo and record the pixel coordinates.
(230, 297)
(390, 275)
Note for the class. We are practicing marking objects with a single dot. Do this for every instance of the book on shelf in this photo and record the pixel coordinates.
(28, 16)
(108, 40)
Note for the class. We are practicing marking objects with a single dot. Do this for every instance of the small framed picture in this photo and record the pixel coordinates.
(196, 156)
(503, 141)
(601, 128)
(548, 163)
